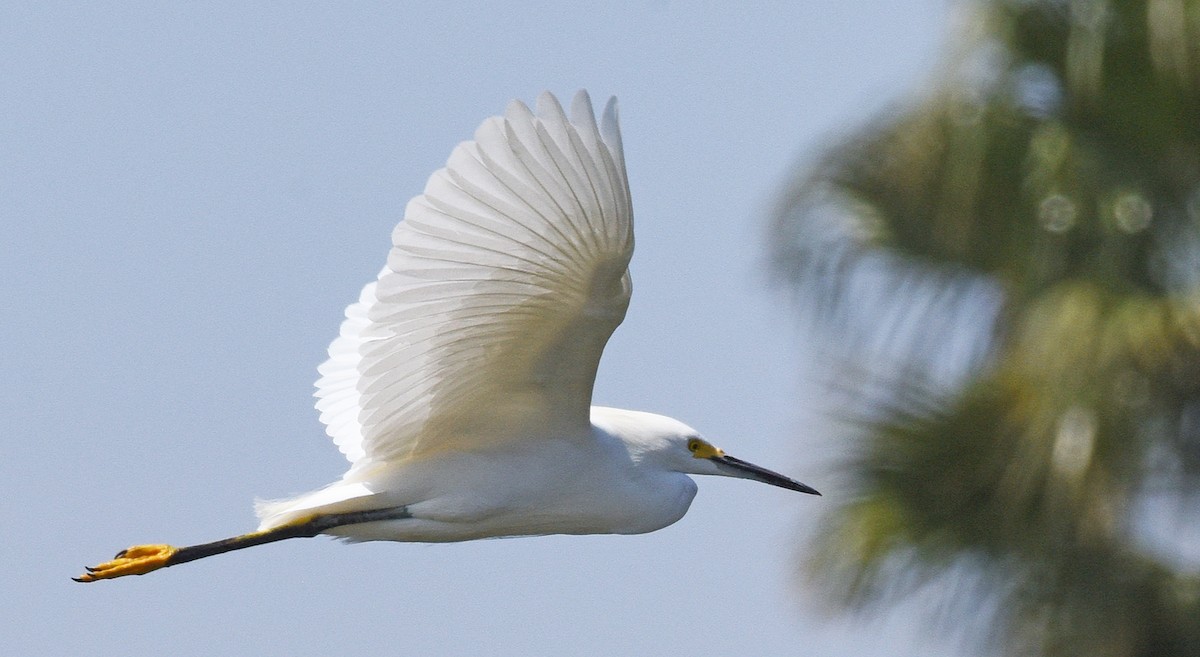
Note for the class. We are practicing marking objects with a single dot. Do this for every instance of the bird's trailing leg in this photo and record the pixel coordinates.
(142, 559)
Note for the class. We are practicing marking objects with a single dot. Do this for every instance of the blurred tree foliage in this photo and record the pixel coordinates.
(1005, 276)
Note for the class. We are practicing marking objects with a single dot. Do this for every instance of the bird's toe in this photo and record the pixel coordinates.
(137, 560)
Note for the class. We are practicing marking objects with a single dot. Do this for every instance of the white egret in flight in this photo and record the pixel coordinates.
(460, 385)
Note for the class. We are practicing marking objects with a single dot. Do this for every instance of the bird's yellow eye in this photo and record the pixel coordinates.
(693, 445)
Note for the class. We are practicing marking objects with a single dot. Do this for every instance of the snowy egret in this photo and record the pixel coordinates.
(460, 385)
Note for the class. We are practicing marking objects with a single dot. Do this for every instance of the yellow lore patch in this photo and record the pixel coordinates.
(704, 450)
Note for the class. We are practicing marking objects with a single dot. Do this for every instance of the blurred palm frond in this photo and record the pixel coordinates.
(1003, 283)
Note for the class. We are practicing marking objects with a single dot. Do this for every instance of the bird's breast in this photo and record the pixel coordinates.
(659, 501)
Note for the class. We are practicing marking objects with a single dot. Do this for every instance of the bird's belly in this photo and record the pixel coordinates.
(594, 512)
(489, 503)
(529, 521)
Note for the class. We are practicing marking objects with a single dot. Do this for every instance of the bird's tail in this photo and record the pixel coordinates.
(337, 497)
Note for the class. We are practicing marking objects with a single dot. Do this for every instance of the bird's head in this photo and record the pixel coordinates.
(671, 444)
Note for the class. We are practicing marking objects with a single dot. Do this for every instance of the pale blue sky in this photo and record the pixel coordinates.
(191, 195)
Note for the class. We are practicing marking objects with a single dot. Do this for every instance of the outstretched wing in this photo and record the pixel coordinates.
(504, 282)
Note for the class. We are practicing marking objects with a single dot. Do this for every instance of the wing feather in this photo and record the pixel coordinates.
(504, 282)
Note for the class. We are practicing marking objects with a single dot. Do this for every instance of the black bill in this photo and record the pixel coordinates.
(745, 470)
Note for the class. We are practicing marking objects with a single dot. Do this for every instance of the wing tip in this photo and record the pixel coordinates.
(583, 116)
(610, 126)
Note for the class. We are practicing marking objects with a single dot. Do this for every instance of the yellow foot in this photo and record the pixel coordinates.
(137, 560)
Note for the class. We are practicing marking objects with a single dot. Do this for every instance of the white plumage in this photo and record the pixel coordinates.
(504, 282)
(460, 384)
